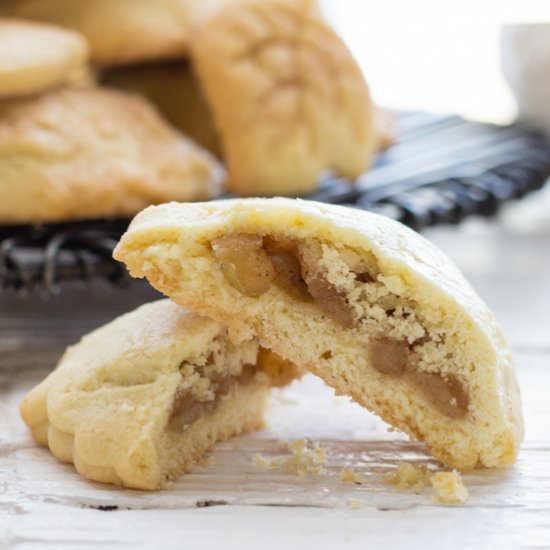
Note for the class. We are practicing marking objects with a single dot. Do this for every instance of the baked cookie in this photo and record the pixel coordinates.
(140, 400)
(122, 31)
(35, 57)
(174, 90)
(288, 99)
(362, 301)
(86, 153)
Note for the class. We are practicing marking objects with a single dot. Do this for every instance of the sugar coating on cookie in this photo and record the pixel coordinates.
(370, 306)
(141, 399)
(288, 99)
(35, 57)
(88, 153)
(122, 31)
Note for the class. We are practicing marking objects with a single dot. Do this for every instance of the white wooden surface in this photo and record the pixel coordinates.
(231, 504)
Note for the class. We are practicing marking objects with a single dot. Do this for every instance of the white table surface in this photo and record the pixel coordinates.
(232, 504)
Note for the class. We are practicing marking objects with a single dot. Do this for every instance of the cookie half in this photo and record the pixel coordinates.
(88, 153)
(362, 301)
(288, 99)
(35, 57)
(140, 400)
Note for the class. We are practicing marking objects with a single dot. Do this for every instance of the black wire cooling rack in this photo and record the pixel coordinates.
(440, 170)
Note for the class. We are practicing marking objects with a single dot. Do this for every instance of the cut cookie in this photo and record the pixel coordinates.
(122, 31)
(288, 99)
(35, 57)
(362, 301)
(140, 400)
(86, 153)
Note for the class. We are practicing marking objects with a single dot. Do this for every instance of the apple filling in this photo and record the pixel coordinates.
(394, 358)
(187, 408)
(252, 264)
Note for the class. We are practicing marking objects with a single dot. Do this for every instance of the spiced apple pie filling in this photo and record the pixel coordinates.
(349, 289)
(213, 378)
(190, 404)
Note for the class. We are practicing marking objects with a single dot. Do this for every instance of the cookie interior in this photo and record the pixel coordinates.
(400, 340)
(221, 393)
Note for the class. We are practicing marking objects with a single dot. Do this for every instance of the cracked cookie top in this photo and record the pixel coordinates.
(287, 96)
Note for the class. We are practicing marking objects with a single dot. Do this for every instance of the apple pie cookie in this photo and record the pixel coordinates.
(89, 153)
(140, 400)
(287, 97)
(367, 304)
(35, 57)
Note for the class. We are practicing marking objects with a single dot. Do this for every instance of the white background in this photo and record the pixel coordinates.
(432, 54)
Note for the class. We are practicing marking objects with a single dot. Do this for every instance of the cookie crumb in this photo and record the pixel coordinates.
(409, 476)
(355, 504)
(209, 461)
(449, 487)
(348, 475)
(261, 462)
(304, 460)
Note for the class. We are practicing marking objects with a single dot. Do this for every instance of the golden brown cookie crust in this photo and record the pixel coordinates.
(35, 57)
(87, 153)
(286, 94)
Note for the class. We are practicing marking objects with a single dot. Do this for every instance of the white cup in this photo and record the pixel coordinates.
(525, 59)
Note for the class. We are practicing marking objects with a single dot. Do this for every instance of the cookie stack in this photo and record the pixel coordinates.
(360, 300)
(265, 85)
(72, 150)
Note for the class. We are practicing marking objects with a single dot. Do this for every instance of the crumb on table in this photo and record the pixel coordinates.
(415, 477)
(303, 461)
(261, 462)
(449, 487)
(209, 460)
(355, 504)
(348, 475)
